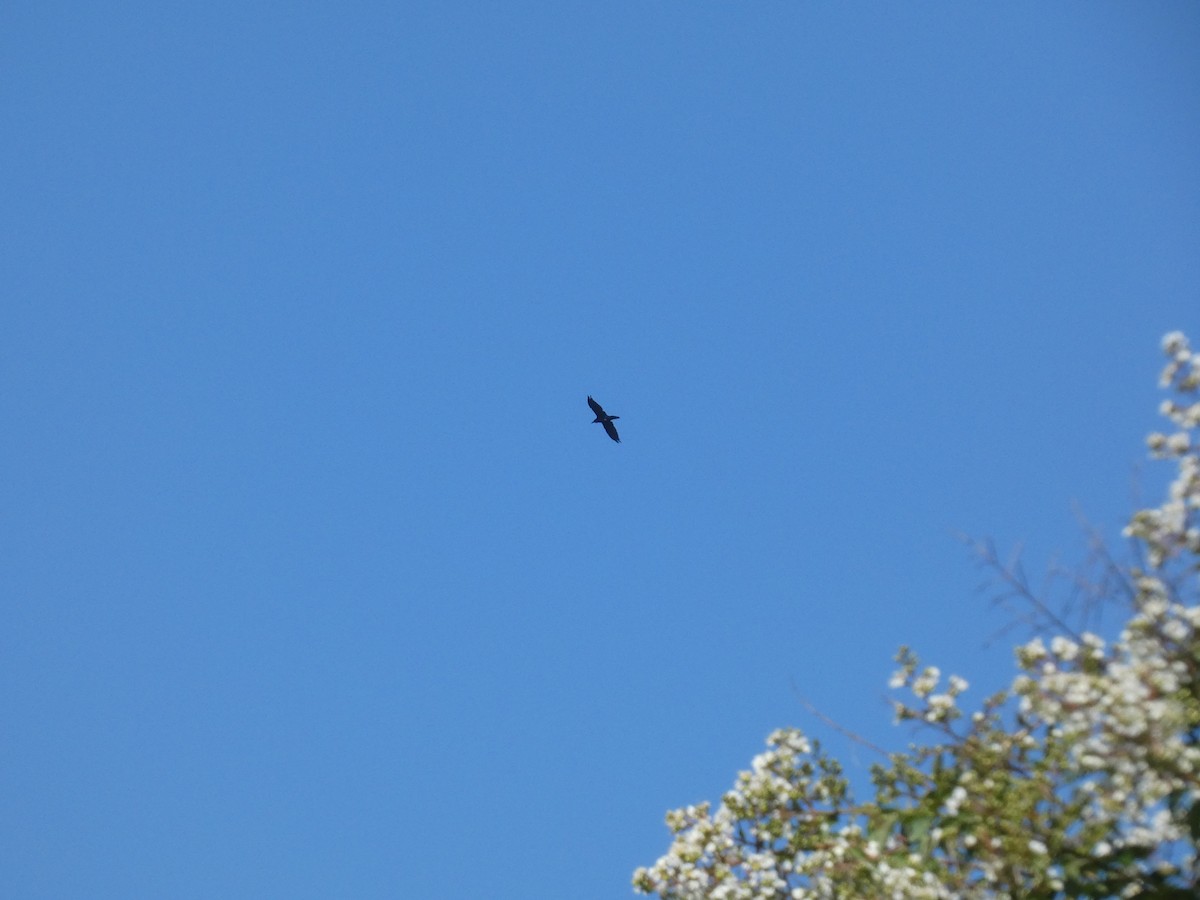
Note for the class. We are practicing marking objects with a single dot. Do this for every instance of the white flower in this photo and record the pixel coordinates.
(927, 681)
(1175, 630)
(1063, 648)
(1173, 342)
(955, 800)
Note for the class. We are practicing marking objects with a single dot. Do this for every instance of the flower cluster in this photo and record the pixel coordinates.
(1174, 527)
(787, 829)
(1081, 779)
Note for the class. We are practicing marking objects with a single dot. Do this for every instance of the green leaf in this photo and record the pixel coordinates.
(882, 827)
(917, 828)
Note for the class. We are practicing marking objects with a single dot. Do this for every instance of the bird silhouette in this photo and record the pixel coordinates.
(604, 419)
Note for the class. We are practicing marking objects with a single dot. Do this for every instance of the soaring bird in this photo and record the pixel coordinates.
(604, 419)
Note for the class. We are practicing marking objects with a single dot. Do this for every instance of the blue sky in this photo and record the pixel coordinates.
(318, 580)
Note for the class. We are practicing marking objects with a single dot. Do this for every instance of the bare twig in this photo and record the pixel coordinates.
(1015, 584)
(837, 726)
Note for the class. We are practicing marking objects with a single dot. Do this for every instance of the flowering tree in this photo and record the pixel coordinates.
(1079, 780)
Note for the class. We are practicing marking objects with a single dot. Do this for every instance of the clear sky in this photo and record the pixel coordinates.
(316, 579)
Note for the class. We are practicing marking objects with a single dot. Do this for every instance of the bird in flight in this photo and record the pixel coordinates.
(604, 419)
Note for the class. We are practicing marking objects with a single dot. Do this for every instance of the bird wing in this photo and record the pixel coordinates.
(611, 429)
(596, 407)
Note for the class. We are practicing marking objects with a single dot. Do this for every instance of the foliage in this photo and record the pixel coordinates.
(1079, 780)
